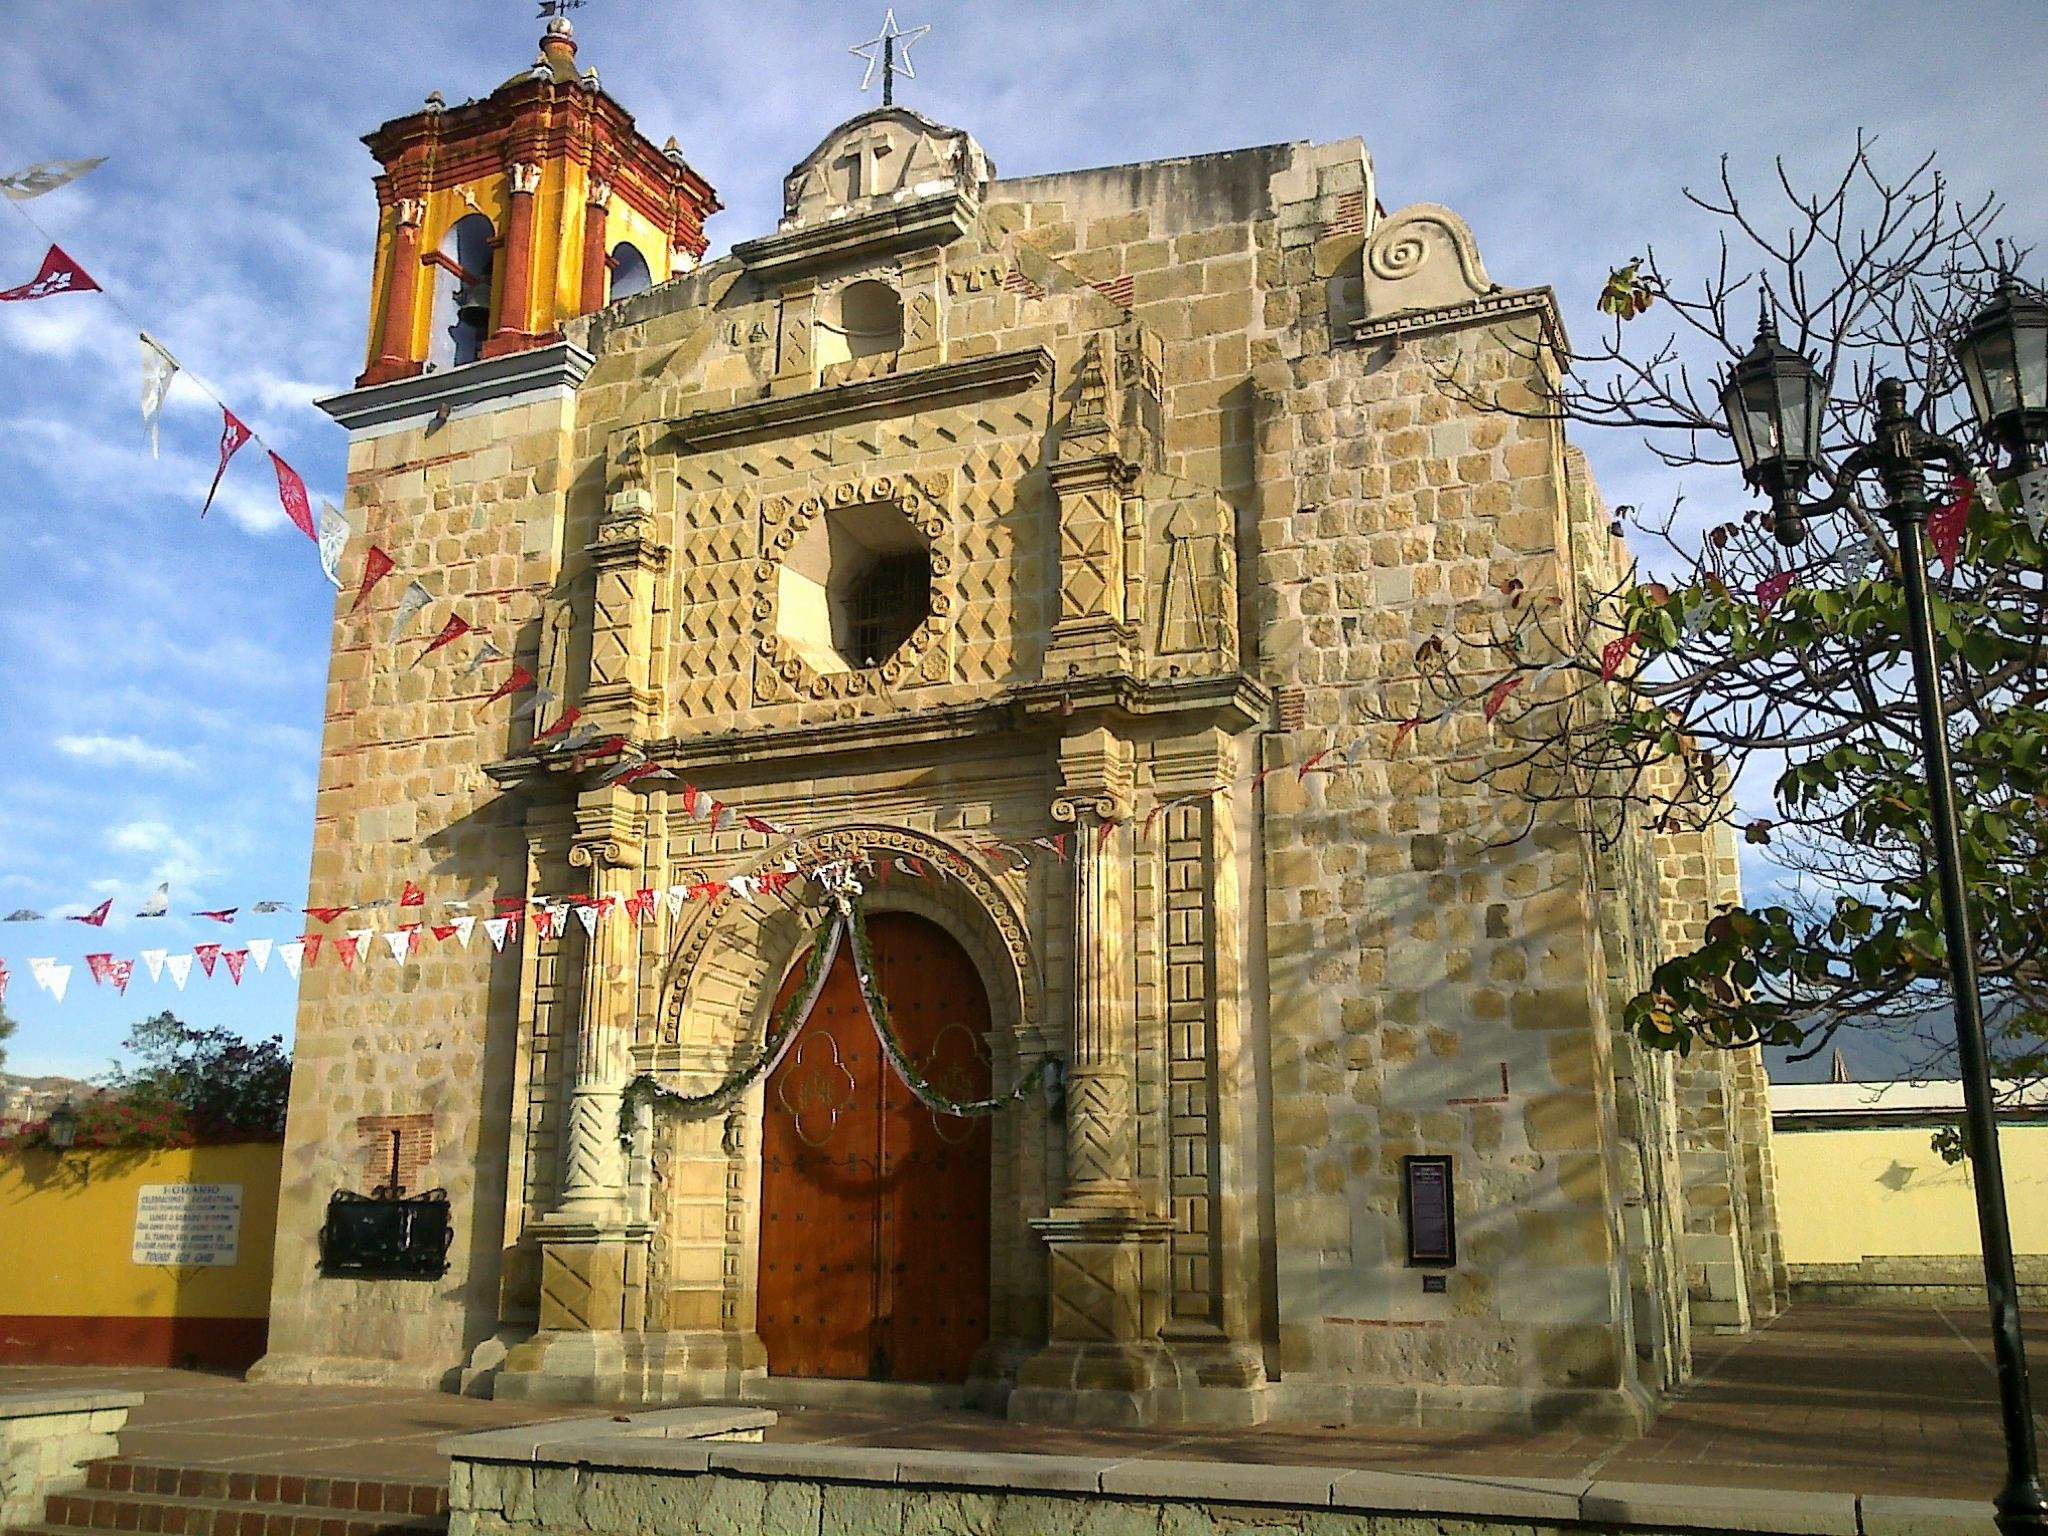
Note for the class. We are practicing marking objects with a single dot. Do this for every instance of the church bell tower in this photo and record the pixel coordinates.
(501, 218)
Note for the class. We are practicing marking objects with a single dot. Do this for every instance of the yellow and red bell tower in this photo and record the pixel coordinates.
(500, 219)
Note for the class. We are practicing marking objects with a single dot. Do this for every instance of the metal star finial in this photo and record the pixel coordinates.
(888, 51)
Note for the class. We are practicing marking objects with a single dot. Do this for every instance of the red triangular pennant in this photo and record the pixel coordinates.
(235, 959)
(59, 274)
(519, 680)
(452, 631)
(1498, 694)
(232, 435)
(1614, 653)
(412, 896)
(325, 914)
(568, 718)
(207, 953)
(345, 947)
(312, 951)
(1945, 526)
(97, 917)
(376, 566)
(99, 965)
(291, 495)
(442, 930)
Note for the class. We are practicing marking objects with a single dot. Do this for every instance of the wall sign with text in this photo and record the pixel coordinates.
(188, 1224)
(1432, 1210)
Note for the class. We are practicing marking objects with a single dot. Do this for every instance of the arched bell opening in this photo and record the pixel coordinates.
(629, 271)
(463, 273)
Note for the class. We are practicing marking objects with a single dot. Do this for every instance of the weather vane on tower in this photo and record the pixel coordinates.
(888, 52)
(553, 8)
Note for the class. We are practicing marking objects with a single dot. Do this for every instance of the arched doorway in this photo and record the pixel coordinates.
(874, 1210)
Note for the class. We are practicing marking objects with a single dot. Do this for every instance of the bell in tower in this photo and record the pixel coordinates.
(502, 218)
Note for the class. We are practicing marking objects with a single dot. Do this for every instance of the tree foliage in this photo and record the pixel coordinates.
(1725, 660)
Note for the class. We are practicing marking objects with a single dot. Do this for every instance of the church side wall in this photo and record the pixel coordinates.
(426, 1049)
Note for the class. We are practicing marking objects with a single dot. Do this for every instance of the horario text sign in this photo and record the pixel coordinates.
(188, 1224)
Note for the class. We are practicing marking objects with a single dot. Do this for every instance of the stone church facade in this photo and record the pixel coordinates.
(1076, 511)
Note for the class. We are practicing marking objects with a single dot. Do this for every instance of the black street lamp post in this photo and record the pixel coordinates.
(1774, 398)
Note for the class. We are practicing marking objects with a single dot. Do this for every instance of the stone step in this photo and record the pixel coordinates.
(155, 1512)
(348, 1495)
(104, 1510)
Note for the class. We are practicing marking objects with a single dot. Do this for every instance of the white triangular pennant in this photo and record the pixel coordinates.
(586, 914)
(154, 959)
(158, 369)
(485, 652)
(290, 953)
(159, 901)
(50, 976)
(362, 936)
(334, 532)
(179, 967)
(497, 928)
(465, 929)
(398, 941)
(259, 952)
(677, 897)
(414, 599)
(2034, 499)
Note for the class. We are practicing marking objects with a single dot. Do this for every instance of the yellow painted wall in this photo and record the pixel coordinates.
(1844, 1195)
(67, 1227)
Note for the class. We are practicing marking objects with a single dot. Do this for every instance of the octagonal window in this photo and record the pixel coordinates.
(856, 584)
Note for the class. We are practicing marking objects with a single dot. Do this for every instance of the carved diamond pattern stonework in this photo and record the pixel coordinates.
(923, 502)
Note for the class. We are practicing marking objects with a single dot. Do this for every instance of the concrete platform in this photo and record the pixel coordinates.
(1825, 1400)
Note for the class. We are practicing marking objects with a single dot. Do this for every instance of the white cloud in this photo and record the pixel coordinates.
(124, 751)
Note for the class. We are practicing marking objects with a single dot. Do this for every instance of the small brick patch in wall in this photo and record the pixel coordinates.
(1117, 290)
(395, 1148)
(1350, 218)
(1291, 707)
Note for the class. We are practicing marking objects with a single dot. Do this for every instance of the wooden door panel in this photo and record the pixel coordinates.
(934, 1243)
(819, 1140)
(874, 1211)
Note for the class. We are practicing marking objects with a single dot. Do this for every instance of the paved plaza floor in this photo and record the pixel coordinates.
(1822, 1400)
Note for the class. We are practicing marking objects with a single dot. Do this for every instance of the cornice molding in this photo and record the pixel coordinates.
(480, 384)
(1540, 303)
(1000, 373)
(810, 248)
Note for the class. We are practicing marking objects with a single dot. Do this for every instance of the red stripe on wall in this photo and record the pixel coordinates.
(220, 1343)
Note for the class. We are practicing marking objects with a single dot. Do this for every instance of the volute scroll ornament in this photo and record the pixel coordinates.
(602, 853)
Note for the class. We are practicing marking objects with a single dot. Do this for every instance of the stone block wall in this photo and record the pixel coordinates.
(46, 1438)
(471, 508)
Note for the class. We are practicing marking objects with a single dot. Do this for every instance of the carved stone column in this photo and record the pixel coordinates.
(595, 255)
(1103, 1363)
(394, 358)
(594, 1251)
(515, 272)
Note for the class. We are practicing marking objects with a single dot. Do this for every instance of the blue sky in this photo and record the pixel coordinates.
(161, 678)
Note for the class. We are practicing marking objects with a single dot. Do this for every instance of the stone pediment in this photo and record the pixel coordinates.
(879, 159)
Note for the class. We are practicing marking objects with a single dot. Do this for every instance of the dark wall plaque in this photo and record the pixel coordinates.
(1432, 1211)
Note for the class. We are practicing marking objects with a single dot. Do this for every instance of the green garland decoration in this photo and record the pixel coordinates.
(787, 1020)
(845, 918)
(892, 1048)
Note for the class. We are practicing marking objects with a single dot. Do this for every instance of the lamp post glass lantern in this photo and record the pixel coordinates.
(62, 1127)
(2003, 353)
(1773, 399)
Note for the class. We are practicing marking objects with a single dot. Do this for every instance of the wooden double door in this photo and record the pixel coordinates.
(874, 1209)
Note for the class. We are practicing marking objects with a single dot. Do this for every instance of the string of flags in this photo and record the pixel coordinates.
(61, 273)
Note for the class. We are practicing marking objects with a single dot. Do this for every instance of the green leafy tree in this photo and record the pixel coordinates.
(189, 1084)
(1725, 663)
(6, 1031)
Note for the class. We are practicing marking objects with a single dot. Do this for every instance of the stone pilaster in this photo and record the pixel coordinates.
(1091, 631)
(626, 564)
(1104, 1363)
